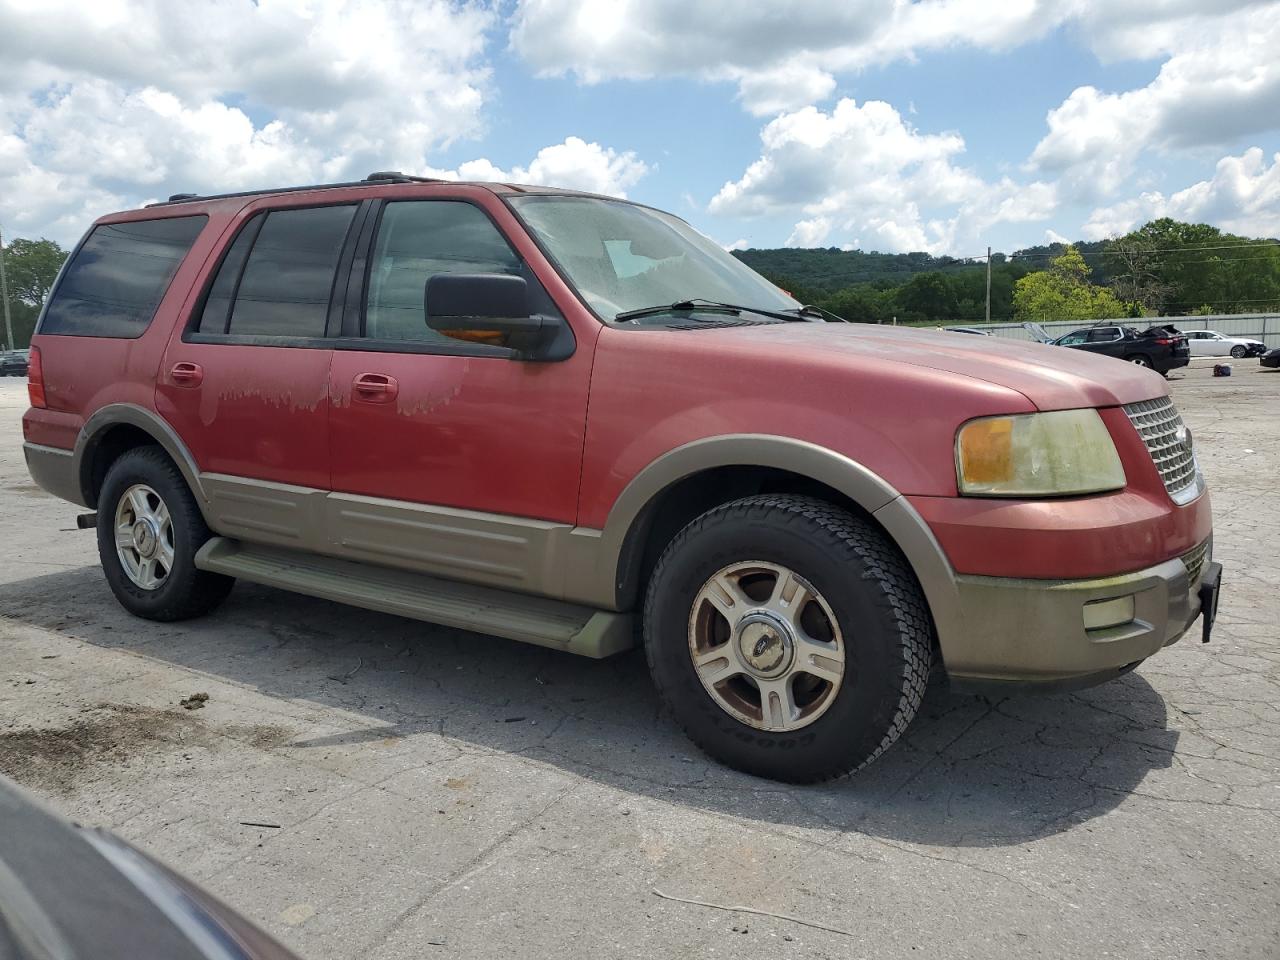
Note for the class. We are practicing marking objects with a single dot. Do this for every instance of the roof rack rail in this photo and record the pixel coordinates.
(381, 176)
(396, 176)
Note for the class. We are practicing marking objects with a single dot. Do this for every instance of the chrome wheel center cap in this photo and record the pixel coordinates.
(765, 644)
(145, 538)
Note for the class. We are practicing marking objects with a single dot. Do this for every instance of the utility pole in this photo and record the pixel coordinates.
(4, 295)
(988, 284)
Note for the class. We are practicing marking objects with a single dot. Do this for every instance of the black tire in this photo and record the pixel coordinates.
(1239, 352)
(1139, 360)
(877, 603)
(185, 592)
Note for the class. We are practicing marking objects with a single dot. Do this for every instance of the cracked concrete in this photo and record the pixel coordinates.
(440, 793)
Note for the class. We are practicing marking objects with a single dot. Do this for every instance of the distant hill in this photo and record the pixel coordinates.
(827, 269)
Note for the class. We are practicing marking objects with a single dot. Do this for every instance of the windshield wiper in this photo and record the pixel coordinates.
(813, 310)
(680, 306)
(708, 306)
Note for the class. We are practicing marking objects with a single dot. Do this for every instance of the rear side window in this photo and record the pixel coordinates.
(115, 281)
(277, 278)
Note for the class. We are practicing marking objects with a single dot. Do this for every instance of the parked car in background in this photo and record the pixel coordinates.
(1210, 343)
(1161, 348)
(1271, 358)
(13, 363)
(70, 892)
(510, 409)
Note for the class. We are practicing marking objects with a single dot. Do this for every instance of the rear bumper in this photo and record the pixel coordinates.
(54, 470)
(1033, 631)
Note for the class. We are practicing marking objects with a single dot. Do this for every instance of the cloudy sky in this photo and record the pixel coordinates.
(939, 125)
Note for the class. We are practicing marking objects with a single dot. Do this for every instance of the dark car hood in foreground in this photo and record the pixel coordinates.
(73, 894)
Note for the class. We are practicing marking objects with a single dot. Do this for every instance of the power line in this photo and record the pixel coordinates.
(1243, 245)
(1188, 248)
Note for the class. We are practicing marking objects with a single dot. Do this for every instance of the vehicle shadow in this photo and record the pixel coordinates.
(970, 771)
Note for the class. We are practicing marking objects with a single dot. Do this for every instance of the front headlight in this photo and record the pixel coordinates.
(1057, 454)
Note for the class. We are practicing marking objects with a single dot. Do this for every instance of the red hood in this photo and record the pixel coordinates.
(1052, 378)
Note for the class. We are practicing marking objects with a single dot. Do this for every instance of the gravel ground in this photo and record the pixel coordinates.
(439, 793)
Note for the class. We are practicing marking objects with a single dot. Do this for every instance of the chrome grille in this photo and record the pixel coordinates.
(1159, 425)
(1194, 560)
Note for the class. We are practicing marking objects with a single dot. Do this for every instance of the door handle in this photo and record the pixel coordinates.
(185, 374)
(375, 387)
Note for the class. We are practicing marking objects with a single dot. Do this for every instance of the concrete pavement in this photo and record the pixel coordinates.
(434, 793)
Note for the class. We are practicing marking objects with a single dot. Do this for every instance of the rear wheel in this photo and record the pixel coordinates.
(788, 637)
(1239, 352)
(149, 529)
(1138, 360)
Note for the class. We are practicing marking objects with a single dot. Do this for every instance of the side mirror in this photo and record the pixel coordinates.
(488, 308)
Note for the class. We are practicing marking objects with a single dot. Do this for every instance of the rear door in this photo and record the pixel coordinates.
(449, 455)
(1108, 341)
(246, 383)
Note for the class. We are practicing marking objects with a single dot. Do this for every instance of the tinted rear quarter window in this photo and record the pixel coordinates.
(287, 281)
(117, 278)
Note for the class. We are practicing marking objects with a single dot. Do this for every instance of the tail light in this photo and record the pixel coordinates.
(35, 379)
(1165, 341)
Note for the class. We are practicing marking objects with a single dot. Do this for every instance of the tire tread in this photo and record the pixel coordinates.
(841, 532)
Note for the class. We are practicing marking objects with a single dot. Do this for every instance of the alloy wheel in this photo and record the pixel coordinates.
(766, 646)
(144, 537)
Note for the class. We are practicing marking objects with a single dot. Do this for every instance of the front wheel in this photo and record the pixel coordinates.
(788, 637)
(1239, 352)
(149, 529)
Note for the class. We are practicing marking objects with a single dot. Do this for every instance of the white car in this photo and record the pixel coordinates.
(1210, 343)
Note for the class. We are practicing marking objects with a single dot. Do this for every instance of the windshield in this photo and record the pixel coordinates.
(622, 257)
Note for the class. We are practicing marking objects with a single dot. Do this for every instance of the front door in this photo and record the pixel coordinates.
(449, 456)
(247, 384)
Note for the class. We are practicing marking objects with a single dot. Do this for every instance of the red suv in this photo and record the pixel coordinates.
(555, 417)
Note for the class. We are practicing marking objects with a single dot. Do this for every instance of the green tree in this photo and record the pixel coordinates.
(928, 296)
(31, 266)
(1175, 268)
(862, 303)
(1063, 292)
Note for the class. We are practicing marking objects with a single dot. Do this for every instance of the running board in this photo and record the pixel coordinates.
(548, 623)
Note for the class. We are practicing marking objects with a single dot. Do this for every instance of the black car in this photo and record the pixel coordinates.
(1271, 358)
(71, 892)
(13, 363)
(1161, 348)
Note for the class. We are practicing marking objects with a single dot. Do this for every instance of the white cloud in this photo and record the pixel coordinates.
(1221, 82)
(1242, 197)
(574, 163)
(810, 233)
(785, 54)
(766, 48)
(110, 103)
(862, 170)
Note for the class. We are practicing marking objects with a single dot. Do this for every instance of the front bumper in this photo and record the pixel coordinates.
(1033, 631)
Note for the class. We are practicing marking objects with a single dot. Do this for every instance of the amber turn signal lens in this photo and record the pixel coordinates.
(986, 451)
